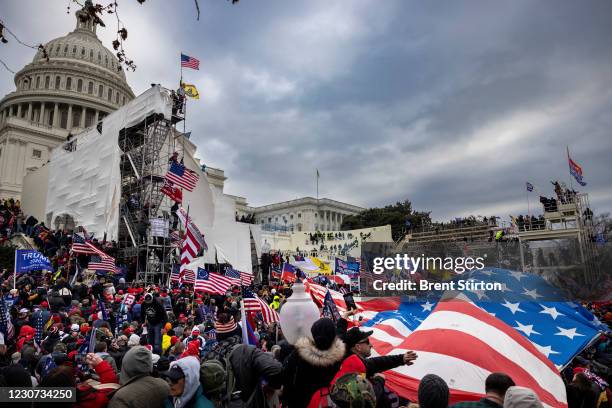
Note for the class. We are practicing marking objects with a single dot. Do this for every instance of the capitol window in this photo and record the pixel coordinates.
(91, 54)
(110, 94)
(299, 215)
(37, 82)
(79, 85)
(36, 154)
(90, 88)
(57, 82)
(100, 91)
(83, 51)
(69, 83)
(74, 49)
(66, 49)
(47, 82)
(99, 57)
(117, 98)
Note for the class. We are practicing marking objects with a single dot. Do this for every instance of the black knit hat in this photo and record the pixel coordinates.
(323, 333)
(433, 392)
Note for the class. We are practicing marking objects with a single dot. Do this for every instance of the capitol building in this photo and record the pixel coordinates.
(75, 86)
(79, 83)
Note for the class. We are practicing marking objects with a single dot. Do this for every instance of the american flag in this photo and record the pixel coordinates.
(463, 344)
(182, 176)
(252, 303)
(102, 263)
(82, 246)
(211, 282)
(176, 240)
(189, 62)
(243, 278)
(175, 275)
(187, 276)
(6, 325)
(194, 239)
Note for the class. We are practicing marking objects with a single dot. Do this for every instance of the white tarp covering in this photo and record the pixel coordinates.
(200, 200)
(256, 232)
(85, 183)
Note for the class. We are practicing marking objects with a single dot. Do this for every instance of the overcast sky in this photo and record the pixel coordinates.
(452, 105)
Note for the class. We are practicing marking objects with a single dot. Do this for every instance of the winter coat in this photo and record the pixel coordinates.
(96, 394)
(192, 396)
(153, 312)
(139, 389)
(250, 365)
(352, 364)
(308, 369)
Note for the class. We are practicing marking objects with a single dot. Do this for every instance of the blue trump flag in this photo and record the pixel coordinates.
(27, 260)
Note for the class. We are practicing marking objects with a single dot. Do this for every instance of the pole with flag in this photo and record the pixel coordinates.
(528, 188)
(575, 170)
(317, 183)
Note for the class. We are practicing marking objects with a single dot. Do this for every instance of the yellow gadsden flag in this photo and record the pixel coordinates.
(324, 268)
(191, 90)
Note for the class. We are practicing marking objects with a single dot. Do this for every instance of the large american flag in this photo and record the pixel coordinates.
(187, 276)
(242, 278)
(189, 62)
(463, 344)
(252, 303)
(182, 176)
(211, 282)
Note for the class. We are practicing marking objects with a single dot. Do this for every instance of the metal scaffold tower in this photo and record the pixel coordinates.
(145, 211)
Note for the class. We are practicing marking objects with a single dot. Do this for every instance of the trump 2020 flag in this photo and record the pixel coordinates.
(27, 260)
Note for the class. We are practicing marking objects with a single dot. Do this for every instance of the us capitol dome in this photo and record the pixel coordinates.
(80, 83)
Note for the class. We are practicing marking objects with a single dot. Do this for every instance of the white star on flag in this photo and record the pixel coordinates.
(527, 328)
(517, 275)
(546, 350)
(532, 293)
(427, 306)
(569, 333)
(514, 307)
(486, 272)
(552, 311)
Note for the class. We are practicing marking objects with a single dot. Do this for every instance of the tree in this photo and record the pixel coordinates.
(400, 216)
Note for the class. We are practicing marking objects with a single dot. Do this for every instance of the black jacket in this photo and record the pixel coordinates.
(307, 369)
(250, 365)
(154, 313)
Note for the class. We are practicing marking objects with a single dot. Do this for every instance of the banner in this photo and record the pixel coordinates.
(346, 268)
(27, 260)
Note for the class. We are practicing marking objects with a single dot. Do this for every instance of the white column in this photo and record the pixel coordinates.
(69, 121)
(56, 115)
(83, 111)
(96, 117)
(29, 116)
(18, 110)
(41, 118)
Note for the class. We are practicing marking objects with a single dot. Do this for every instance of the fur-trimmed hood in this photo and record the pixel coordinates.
(320, 358)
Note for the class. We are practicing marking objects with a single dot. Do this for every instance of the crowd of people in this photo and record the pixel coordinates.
(125, 344)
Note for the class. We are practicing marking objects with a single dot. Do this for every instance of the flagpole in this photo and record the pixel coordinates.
(317, 177)
(528, 208)
(15, 272)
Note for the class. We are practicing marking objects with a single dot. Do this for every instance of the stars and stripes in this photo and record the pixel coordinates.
(253, 304)
(102, 263)
(194, 239)
(189, 62)
(187, 276)
(211, 282)
(81, 246)
(242, 278)
(457, 338)
(182, 176)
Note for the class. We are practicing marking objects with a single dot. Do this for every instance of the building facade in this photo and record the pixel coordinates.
(303, 214)
(78, 83)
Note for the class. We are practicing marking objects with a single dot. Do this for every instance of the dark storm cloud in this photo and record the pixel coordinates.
(451, 105)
